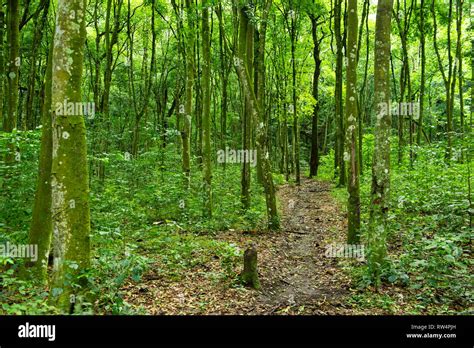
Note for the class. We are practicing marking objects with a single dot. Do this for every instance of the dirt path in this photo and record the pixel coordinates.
(299, 278)
(295, 275)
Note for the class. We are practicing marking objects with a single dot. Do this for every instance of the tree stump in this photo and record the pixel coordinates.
(249, 275)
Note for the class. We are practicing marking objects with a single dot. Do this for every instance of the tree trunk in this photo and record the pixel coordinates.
(206, 117)
(314, 159)
(381, 159)
(296, 127)
(188, 106)
(253, 104)
(41, 227)
(339, 160)
(246, 52)
(38, 35)
(351, 153)
(13, 69)
(3, 116)
(423, 72)
(69, 179)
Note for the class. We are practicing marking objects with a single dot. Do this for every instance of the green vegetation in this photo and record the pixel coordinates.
(150, 149)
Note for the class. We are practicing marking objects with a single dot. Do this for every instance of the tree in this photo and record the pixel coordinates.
(339, 160)
(69, 179)
(188, 106)
(41, 227)
(314, 159)
(206, 116)
(405, 81)
(293, 29)
(2, 63)
(13, 69)
(381, 159)
(246, 49)
(423, 72)
(29, 121)
(352, 148)
(253, 104)
(449, 78)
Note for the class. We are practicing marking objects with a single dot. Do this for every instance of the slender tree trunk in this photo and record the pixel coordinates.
(423, 72)
(206, 122)
(69, 180)
(188, 106)
(296, 126)
(41, 227)
(262, 139)
(13, 69)
(459, 5)
(350, 155)
(246, 53)
(446, 78)
(37, 37)
(224, 80)
(361, 107)
(314, 160)
(3, 116)
(198, 110)
(381, 158)
(339, 160)
(242, 69)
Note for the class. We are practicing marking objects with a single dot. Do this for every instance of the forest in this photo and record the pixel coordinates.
(198, 157)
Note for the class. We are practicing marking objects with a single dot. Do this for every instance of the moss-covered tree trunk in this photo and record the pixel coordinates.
(30, 119)
(339, 160)
(314, 157)
(423, 72)
(189, 85)
(245, 52)
(206, 116)
(13, 69)
(262, 126)
(69, 179)
(447, 78)
(351, 152)
(253, 105)
(41, 227)
(296, 126)
(225, 69)
(2, 63)
(459, 57)
(381, 158)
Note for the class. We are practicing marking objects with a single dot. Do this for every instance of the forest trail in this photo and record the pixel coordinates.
(303, 279)
(295, 274)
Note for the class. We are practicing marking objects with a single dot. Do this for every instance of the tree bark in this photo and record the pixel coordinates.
(245, 53)
(314, 159)
(381, 159)
(423, 72)
(13, 69)
(351, 153)
(339, 160)
(206, 117)
(41, 227)
(188, 106)
(69, 179)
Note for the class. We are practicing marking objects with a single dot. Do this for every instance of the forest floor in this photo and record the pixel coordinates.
(295, 274)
